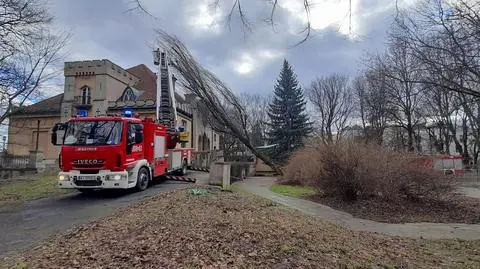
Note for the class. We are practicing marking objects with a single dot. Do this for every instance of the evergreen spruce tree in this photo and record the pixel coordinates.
(289, 122)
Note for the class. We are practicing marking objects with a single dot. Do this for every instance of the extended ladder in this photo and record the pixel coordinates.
(166, 107)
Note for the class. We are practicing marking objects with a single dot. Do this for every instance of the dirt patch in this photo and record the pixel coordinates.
(457, 209)
(191, 229)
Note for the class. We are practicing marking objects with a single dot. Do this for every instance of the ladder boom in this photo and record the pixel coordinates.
(167, 107)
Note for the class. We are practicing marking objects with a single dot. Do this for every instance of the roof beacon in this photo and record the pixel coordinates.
(128, 113)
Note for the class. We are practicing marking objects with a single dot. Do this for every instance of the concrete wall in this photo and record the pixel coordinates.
(222, 173)
(242, 170)
(114, 88)
(22, 136)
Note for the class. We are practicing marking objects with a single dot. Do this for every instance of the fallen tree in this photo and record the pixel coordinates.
(222, 108)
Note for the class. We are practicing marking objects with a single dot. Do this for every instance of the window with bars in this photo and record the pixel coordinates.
(86, 96)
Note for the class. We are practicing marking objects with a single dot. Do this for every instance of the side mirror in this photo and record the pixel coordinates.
(138, 137)
(54, 138)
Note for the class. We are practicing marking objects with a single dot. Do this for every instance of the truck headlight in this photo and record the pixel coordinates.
(63, 178)
(115, 177)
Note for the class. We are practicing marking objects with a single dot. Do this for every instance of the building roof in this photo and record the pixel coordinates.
(48, 106)
(148, 83)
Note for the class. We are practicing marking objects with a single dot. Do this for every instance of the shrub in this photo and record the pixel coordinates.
(303, 168)
(357, 171)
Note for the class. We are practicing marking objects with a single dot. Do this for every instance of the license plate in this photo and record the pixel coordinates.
(86, 178)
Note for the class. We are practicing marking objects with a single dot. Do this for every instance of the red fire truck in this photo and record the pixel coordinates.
(116, 152)
(123, 151)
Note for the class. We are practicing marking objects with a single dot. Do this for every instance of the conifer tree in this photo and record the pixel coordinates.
(288, 120)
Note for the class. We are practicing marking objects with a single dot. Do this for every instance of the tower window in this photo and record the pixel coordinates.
(86, 96)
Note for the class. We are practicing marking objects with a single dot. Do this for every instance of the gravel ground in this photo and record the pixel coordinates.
(195, 229)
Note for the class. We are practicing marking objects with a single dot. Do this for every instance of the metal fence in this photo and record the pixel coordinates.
(17, 162)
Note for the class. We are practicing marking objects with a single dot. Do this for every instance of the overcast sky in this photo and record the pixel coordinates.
(251, 63)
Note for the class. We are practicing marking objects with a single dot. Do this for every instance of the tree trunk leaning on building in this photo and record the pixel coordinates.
(225, 111)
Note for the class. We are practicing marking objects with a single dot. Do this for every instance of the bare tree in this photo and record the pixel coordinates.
(372, 104)
(470, 125)
(21, 22)
(28, 52)
(256, 109)
(256, 117)
(444, 36)
(225, 111)
(442, 107)
(23, 74)
(400, 71)
(332, 99)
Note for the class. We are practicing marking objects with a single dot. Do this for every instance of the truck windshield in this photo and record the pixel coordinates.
(93, 133)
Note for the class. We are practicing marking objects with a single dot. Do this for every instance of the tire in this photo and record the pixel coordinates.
(143, 179)
(183, 171)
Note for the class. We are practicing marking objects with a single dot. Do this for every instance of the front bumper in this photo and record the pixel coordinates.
(105, 179)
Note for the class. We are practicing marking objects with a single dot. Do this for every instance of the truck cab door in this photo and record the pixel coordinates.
(134, 143)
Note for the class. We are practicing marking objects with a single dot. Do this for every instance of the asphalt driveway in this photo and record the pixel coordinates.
(25, 225)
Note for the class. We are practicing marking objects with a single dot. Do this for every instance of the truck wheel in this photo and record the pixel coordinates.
(142, 179)
(183, 171)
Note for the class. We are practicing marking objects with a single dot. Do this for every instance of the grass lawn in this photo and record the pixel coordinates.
(215, 229)
(294, 191)
(42, 186)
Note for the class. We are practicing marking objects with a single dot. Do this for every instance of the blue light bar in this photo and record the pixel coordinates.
(83, 113)
(127, 113)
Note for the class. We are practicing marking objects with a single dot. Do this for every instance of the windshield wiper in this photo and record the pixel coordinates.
(105, 138)
(111, 130)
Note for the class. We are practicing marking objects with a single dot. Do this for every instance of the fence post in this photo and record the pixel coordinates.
(37, 160)
(226, 176)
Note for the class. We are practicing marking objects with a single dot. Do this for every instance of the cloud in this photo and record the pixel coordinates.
(248, 61)
(254, 61)
(204, 17)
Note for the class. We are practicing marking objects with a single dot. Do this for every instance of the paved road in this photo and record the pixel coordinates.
(473, 192)
(260, 186)
(25, 225)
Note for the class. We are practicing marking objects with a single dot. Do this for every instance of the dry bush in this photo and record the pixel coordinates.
(358, 171)
(303, 168)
